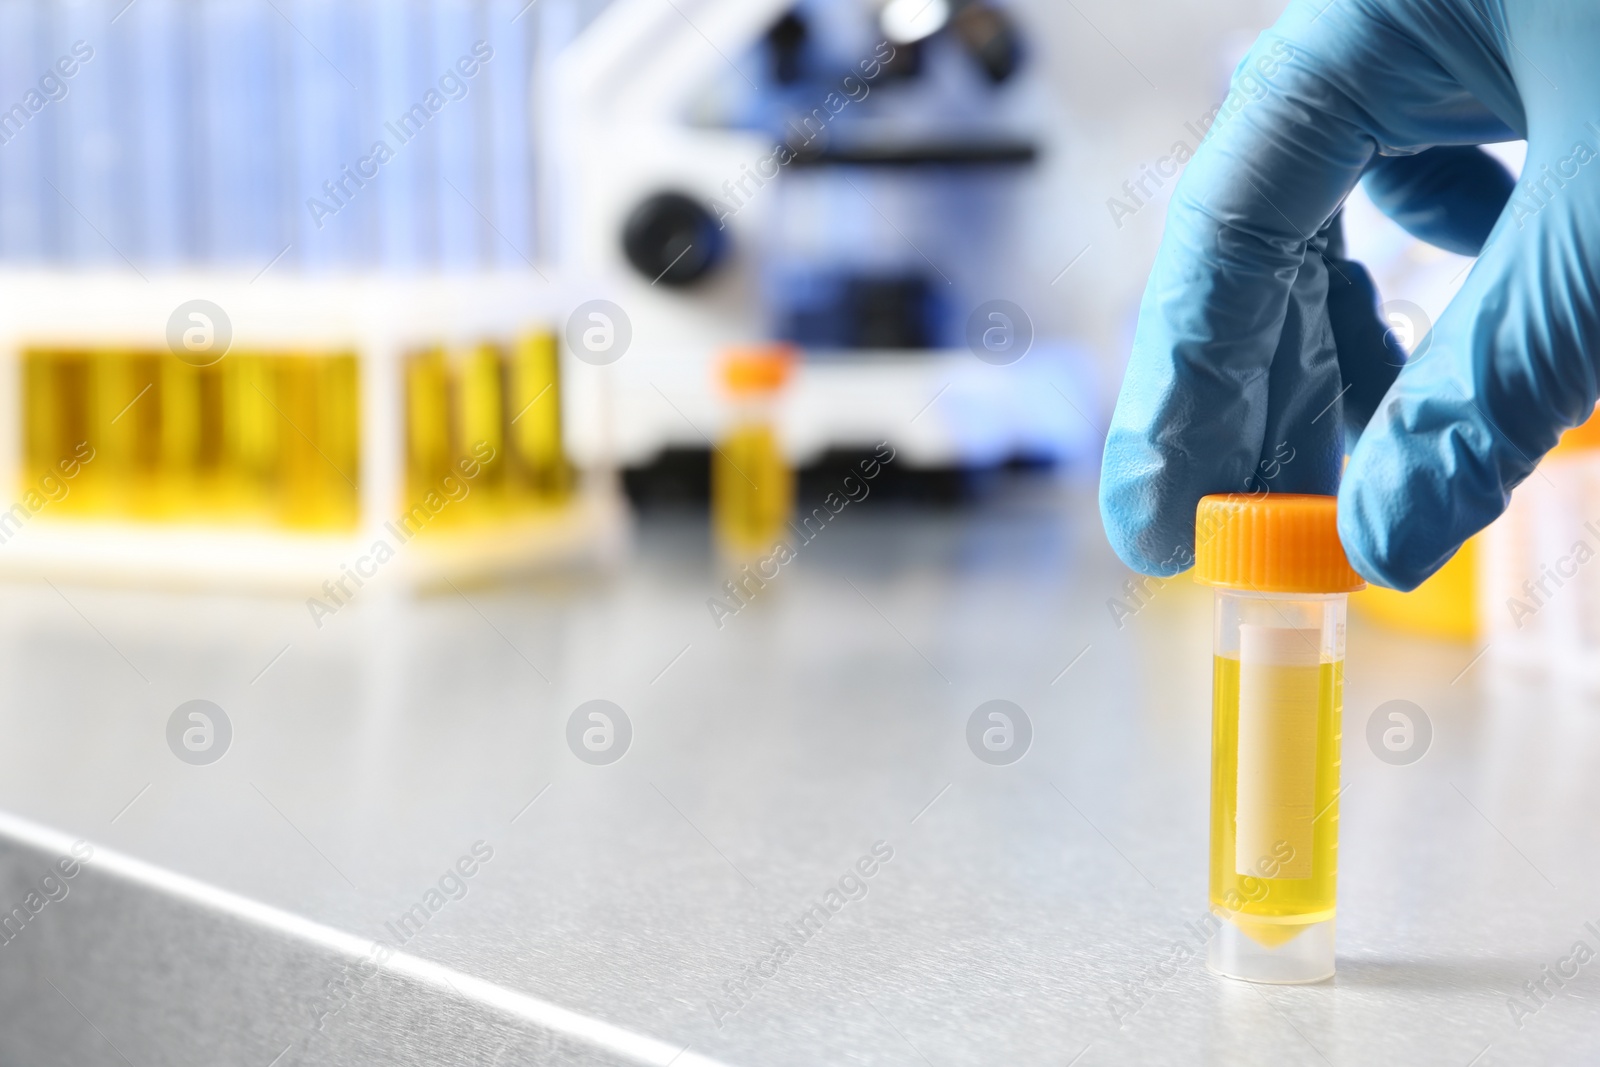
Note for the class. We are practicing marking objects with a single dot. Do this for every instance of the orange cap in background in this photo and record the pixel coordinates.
(1272, 543)
(758, 368)
(1584, 437)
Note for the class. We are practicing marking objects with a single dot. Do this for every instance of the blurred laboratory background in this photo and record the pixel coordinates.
(543, 229)
(523, 513)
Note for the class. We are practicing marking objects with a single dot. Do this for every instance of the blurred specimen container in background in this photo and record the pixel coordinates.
(483, 432)
(273, 439)
(1282, 582)
(1522, 585)
(1444, 606)
(1540, 596)
(262, 438)
(752, 486)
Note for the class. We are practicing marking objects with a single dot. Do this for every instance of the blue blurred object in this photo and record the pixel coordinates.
(162, 161)
(1239, 363)
(243, 133)
(237, 75)
(91, 179)
(895, 167)
(406, 192)
(843, 310)
(463, 174)
(26, 202)
(509, 156)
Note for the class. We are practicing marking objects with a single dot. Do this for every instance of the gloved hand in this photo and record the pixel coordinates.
(1258, 353)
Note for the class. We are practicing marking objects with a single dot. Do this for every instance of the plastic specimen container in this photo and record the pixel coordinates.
(1540, 596)
(1281, 584)
(752, 485)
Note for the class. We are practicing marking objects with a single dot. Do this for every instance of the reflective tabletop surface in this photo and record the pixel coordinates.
(782, 841)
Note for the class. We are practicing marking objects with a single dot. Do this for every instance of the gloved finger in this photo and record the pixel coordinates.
(1370, 355)
(1333, 82)
(1302, 449)
(1449, 196)
(1509, 367)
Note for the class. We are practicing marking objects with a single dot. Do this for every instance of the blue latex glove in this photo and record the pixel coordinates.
(1258, 354)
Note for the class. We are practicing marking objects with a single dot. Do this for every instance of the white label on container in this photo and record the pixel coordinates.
(1279, 680)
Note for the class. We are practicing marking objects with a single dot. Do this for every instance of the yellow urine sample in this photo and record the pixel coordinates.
(454, 418)
(430, 434)
(317, 400)
(480, 394)
(180, 436)
(123, 431)
(752, 489)
(56, 391)
(252, 432)
(483, 432)
(534, 404)
(1274, 864)
(269, 438)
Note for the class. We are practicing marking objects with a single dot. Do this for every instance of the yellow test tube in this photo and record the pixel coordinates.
(179, 478)
(534, 430)
(103, 485)
(252, 432)
(56, 401)
(480, 394)
(1281, 584)
(430, 432)
(752, 486)
(318, 435)
(143, 493)
(214, 494)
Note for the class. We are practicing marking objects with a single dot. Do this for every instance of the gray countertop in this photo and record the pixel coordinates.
(1033, 913)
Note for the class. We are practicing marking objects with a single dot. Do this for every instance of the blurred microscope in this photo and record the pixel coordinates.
(843, 175)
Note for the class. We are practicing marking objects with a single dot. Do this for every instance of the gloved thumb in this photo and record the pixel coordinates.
(1508, 368)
